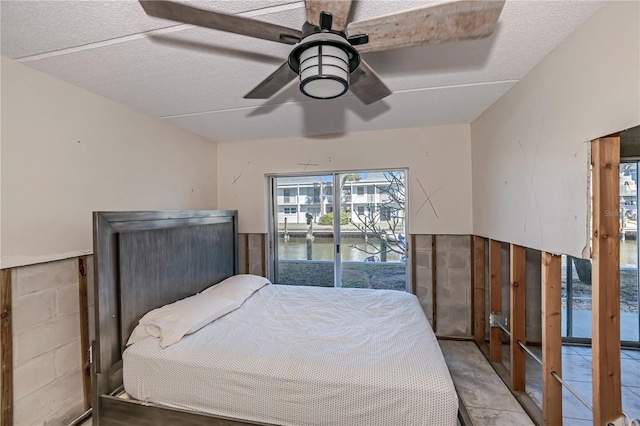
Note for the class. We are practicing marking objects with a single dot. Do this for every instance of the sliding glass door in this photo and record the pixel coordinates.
(354, 236)
(305, 239)
(629, 276)
(577, 278)
(373, 240)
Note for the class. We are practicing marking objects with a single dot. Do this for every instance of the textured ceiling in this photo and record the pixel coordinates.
(195, 78)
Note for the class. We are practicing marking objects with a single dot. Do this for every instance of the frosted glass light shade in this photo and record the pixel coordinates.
(324, 71)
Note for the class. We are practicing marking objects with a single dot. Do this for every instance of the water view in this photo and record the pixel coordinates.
(352, 249)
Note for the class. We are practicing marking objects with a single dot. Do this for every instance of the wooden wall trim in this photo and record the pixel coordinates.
(412, 257)
(495, 295)
(551, 338)
(84, 330)
(434, 293)
(517, 321)
(605, 281)
(263, 244)
(6, 343)
(247, 264)
(477, 256)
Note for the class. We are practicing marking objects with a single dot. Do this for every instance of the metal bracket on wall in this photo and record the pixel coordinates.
(495, 320)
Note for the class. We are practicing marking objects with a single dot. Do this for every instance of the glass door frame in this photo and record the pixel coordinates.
(635, 160)
(337, 257)
(272, 237)
(569, 272)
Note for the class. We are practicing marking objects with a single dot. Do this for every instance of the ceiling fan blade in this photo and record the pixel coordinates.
(272, 84)
(459, 20)
(219, 21)
(338, 8)
(366, 85)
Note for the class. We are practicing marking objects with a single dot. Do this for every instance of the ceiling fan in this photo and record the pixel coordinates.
(324, 56)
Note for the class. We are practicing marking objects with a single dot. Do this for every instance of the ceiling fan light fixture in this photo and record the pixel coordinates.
(324, 72)
(323, 62)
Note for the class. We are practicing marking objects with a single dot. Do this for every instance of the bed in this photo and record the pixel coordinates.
(287, 356)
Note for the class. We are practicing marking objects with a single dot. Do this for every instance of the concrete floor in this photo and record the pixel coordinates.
(488, 401)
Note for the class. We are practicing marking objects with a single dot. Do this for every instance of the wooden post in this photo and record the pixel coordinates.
(605, 280)
(495, 295)
(309, 246)
(263, 242)
(434, 282)
(517, 317)
(478, 289)
(247, 264)
(412, 257)
(6, 343)
(84, 330)
(286, 230)
(551, 339)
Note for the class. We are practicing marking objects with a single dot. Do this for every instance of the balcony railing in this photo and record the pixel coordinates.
(290, 200)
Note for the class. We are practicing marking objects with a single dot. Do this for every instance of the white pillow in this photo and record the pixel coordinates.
(172, 322)
(237, 287)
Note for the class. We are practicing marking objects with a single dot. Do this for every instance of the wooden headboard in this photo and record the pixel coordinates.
(144, 260)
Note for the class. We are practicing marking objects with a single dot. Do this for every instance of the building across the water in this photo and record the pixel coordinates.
(362, 195)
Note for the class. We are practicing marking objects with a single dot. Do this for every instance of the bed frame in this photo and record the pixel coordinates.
(144, 260)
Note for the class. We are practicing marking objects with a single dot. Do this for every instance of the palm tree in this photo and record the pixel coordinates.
(351, 177)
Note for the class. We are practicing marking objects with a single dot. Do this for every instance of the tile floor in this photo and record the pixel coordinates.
(488, 401)
(576, 361)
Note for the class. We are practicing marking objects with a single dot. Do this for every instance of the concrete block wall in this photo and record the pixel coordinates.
(534, 296)
(423, 273)
(453, 282)
(46, 343)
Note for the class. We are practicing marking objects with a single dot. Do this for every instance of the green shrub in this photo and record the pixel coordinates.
(327, 219)
(344, 218)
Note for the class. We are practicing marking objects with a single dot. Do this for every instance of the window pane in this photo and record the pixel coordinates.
(306, 246)
(629, 321)
(373, 238)
(373, 217)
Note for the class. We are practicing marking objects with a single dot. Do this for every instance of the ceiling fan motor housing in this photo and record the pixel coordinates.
(324, 61)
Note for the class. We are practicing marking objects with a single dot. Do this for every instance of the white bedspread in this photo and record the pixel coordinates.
(305, 356)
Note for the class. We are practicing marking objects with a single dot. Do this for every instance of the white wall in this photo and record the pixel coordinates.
(437, 157)
(530, 150)
(67, 152)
